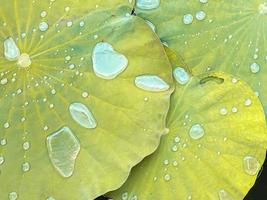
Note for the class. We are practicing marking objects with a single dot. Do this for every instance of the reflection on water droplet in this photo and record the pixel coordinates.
(180, 75)
(223, 195)
(151, 25)
(11, 50)
(251, 165)
(151, 83)
(82, 115)
(196, 132)
(107, 63)
(188, 19)
(147, 4)
(63, 148)
(43, 26)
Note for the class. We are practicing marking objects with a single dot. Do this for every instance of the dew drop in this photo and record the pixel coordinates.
(251, 165)
(180, 75)
(25, 167)
(107, 63)
(13, 196)
(11, 50)
(167, 177)
(203, 1)
(63, 148)
(43, 13)
(24, 60)
(188, 19)
(151, 83)
(2, 160)
(26, 146)
(196, 132)
(263, 8)
(124, 196)
(82, 115)
(254, 68)
(148, 4)
(200, 15)
(248, 102)
(223, 195)
(43, 26)
(223, 111)
(4, 81)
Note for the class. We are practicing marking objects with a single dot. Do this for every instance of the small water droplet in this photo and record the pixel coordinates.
(3, 142)
(254, 68)
(203, 1)
(223, 195)
(148, 4)
(200, 15)
(181, 76)
(177, 139)
(63, 149)
(234, 110)
(26, 146)
(25, 167)
(6, 125)
(43, 26)
(11, 50)
(4, 81)
(107, 63)
(248, 102)
(167, 177)
(151, 83)
(43, 13)
(24, 60)
(188, 19)
(251, 165)
(2, 160)
(223, 111)
(13, 196)
(196, 132)
(263, 8)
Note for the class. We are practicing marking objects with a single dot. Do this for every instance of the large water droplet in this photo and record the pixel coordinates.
(151, 83)
(13, 196)
(223, 195)
(196, 132)
(180, 75)
(63, 149)
(43, 26)
(82, 115)
(11, 50)
(251, 165)
(107, 63)
(147, 4)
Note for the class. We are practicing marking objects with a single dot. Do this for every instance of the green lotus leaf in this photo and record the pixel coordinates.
(215, 147)
(73, 123)
(220, 35)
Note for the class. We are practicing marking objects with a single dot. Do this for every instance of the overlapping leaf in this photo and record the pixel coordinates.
(215, 147)
(223, 35)
(71, 128)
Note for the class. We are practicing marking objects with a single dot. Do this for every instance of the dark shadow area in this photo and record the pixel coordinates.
(257, 192)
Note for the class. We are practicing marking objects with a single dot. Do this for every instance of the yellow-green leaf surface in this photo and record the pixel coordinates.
(223, 35)
(215, 147)
(72, 122)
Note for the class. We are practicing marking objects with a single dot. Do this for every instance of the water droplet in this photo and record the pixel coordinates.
(196, 132)
(82, 115)
(24, 60)
(2, 160)
(3, 142)
(203, 1)
(167, 177)
(223, 195)
(4, 81)
(148, 4)
(124, 196)
(43, 26)
(26, 146)
(63, 149)
(50, 198)
(248, 102)
(180, 75)
(174, 148)
(151, 83)
(151, 25)
(234, 110)
(223, 111)
(25, 167)
(251, 165)
(85, 94)
(200, 15)
(177, 139)
(43, 13)
(107, 63)
(11, 50)
(254, 68)
(263, 8)
(82, 23)
(6, 125)
(188, 19)
(13, 196)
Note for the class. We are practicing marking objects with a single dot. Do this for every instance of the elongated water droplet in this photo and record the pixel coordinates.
(63, 149)
(223, 195)
(251, 165)
(151, 25)
(196, 132)
(148, 4)
(151, 83)
(180, 75)
(82, 115)
(107, 63)
(11, 50)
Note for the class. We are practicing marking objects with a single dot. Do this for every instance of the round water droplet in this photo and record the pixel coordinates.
(196, 132)
(13, 196)
(24, 60)
(43, 26)
(263, 8)
(200, 15)
(181, 76)
(124, 196)
(251, 165)
(223, 111)
(151, 83)
(43, 13)
(3, 142)
(203, 1)
(248, 102)
(254, 68)
(147, 4)
(25, 167)
(26, 146)
(82, 115)
(177, 139)
(188, 19)
(6, 125)
(167, 177)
